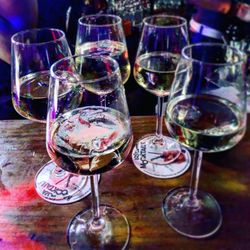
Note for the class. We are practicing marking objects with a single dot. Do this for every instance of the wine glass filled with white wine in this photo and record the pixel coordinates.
(32, 54)
(89, 137)
(207, 113)
(158, 53)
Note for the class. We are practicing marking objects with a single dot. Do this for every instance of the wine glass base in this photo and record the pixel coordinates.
(149, 161)
(200, 222)
(61, 187)
(114, 235)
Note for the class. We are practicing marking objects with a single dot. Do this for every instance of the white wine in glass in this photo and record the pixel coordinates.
(103, 34)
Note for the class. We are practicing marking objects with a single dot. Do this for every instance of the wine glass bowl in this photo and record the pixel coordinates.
(79, 120)
(212, 116)
(207, 113)
(90, 136)
(103, 34)
(33, 52)
(159, 51)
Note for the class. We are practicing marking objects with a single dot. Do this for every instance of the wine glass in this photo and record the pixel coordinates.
(90, 137)
(207, 113)
(159, 50)
(32, 53)
(103, 34)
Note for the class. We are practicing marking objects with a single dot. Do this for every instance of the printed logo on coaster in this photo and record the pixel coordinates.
(62, 189)
(162, 171)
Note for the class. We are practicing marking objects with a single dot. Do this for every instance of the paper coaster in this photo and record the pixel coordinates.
(56, 194)
(171, 170)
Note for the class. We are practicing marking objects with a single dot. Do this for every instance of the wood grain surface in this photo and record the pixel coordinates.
(28, 222)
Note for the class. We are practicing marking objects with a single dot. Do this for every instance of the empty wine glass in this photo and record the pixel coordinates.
(159, 50)
(32, 53)
(86, 136)
(103, 34)
(207, 113)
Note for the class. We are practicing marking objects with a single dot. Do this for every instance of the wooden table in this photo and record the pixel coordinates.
(27, 222)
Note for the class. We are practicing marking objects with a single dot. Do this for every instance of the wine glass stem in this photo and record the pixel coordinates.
(103, 100)
(95, 196)
(196, 167)
(159, 114)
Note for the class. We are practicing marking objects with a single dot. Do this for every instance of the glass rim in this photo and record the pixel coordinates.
(183, 23)
(242, 55)
(27, 31)
(117, 18)
(69, 58)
